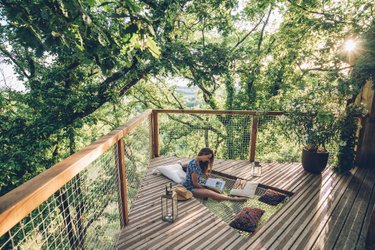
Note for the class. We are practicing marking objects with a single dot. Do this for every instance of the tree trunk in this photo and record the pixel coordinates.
(366, 155)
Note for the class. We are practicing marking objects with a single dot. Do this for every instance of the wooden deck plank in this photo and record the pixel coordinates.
(227, 241)
(313, 213)
(366, 222)
(351, 229)
(310, 215)
(220, 234)
(226, 166)
(283, 178)
(223, 240)
(277, 172)
(143, 219)
(271, 230)
(237, 167)
(325, 234)
(205, 234)
(183, 232)
(178, 243)
(146, 234)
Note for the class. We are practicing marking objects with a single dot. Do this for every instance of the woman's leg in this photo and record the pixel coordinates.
(207, 193)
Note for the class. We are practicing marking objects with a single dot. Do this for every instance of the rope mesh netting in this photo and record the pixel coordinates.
(184, 134)
(137, 158)
(82, 214)
(229, 136)
(273, 146)
(227, 210)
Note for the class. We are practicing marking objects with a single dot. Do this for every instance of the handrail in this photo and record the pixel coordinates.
(217, 112)
(18, 203)
(253, 129)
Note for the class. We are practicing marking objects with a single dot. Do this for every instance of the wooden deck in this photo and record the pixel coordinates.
(330, 211)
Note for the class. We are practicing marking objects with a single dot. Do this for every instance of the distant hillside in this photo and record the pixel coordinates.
(189, 93)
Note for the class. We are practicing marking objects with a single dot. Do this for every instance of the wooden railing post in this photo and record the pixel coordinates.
(151, 135)
(155, 134)
(122, 174)
(253, 138)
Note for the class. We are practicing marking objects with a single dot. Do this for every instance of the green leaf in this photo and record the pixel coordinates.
(152, 47)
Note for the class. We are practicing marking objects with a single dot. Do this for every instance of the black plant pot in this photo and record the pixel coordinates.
(314, 162)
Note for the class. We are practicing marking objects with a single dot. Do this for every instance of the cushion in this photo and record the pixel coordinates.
(173, 172)
(247, 219)
(272, 197)
(244, 188)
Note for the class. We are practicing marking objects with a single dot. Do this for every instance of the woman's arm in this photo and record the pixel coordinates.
(195, 180)
(209, 169)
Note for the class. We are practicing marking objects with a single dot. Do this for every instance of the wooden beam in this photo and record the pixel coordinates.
(155, 137)
(151, 135)
(215, 112)
(366, 145)
(122, 174)
(370, 238)
(253, 138)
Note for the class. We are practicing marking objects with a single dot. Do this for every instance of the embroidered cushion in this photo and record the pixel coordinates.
(244, 188)
(272, 197)
(247, 219)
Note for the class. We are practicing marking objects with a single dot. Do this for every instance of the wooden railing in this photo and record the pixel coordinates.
(253, 129)
(18, 203)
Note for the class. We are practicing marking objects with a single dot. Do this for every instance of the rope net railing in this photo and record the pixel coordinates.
(230, 136)
(137, 158)
(273, 146)
(87, 212)
(184, 134)
(83, 214)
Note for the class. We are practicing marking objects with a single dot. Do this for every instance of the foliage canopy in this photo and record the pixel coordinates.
(75, 57)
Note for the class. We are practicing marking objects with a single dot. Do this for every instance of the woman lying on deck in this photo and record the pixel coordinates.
(201, 167)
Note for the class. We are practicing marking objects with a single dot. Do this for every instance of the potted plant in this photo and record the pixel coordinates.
(309, 123)
(348, 137)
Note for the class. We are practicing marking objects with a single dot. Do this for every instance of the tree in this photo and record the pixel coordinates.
(73, 58)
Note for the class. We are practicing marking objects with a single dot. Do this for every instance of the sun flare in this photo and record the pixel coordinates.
(350, 45)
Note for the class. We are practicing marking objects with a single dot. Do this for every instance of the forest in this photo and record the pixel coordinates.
(88, 66)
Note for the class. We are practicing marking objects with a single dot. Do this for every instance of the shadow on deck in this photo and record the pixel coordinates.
(326, 211)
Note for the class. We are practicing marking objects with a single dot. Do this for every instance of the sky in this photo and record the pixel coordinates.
(8, 78)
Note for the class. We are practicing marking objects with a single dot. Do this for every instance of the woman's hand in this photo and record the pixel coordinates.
(195, 180)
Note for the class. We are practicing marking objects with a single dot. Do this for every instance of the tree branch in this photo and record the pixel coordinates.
(248, 34)
(326, 15)
(7, 53)
(321, 69)
(263, 28)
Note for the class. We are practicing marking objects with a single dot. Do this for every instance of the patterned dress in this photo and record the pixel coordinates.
(193, 167)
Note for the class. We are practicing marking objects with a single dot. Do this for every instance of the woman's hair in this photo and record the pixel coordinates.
(204, 165)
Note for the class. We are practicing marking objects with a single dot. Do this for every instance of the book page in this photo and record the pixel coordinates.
(215, 184)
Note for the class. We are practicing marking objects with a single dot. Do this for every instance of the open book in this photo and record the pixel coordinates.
(244, 188)
(216, 185)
